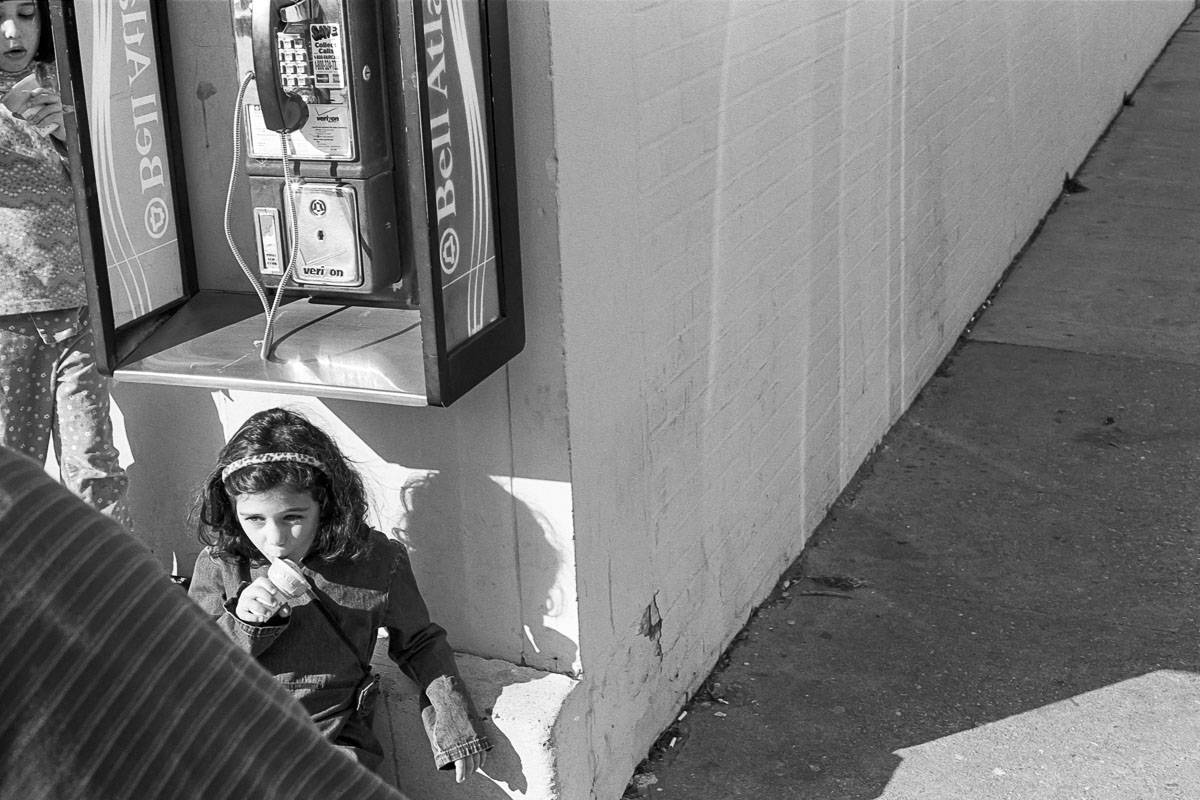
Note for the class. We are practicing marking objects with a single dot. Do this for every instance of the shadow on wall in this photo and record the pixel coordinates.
(492, 574)
(437, 529)
(486, 561)
(426, 501)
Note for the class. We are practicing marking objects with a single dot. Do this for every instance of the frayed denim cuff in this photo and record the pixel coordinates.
(450, 722)
(445, 759)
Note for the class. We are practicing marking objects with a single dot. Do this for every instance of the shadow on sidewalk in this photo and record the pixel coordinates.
(1022, 541)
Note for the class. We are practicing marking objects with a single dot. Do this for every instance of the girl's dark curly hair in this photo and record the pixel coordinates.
(338, 489)
(45, 46)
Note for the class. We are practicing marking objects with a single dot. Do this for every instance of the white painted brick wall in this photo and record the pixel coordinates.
(775, 218)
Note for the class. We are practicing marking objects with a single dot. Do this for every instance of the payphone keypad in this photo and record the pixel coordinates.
(294, 62)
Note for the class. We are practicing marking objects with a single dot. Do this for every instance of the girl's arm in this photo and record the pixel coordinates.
(420, 649)
(210, 590)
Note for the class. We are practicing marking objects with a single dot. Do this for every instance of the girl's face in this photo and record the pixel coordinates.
(20, 30)
(280, 522)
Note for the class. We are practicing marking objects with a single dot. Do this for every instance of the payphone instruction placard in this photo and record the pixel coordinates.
(328, 136)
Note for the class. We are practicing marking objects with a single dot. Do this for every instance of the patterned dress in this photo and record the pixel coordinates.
(50, 387)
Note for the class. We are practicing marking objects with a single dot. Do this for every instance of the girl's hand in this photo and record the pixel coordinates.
(464, 767)
(44, 110)
(260, 601)
(16, 99)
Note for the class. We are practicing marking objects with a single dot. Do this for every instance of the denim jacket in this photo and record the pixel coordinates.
(310, 659)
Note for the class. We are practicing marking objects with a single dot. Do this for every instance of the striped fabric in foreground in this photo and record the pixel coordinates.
(114, 685)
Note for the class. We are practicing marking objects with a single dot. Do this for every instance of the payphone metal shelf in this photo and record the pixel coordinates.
(330, 351)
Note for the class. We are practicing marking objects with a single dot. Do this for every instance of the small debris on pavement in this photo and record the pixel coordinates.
(843, 582)
(644, 780)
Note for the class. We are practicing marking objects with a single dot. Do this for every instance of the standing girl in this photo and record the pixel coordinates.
(283, 492)
(49, 384)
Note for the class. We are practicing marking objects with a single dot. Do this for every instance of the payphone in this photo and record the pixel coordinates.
(366, 244)
(313, 95)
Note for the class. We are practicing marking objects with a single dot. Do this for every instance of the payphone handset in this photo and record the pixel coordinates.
(282, 110)
(312, 113)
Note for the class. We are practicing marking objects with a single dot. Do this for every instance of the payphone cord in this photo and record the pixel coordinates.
(270, 306)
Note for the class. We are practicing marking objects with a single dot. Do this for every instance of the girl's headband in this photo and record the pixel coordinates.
(270, 458)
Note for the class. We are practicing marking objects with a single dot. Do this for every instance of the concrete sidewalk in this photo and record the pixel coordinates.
(1003, 604)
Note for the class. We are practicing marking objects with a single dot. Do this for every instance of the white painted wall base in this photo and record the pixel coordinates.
(528, 715)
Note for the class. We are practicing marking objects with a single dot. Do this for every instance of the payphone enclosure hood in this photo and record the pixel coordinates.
(149, 118)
